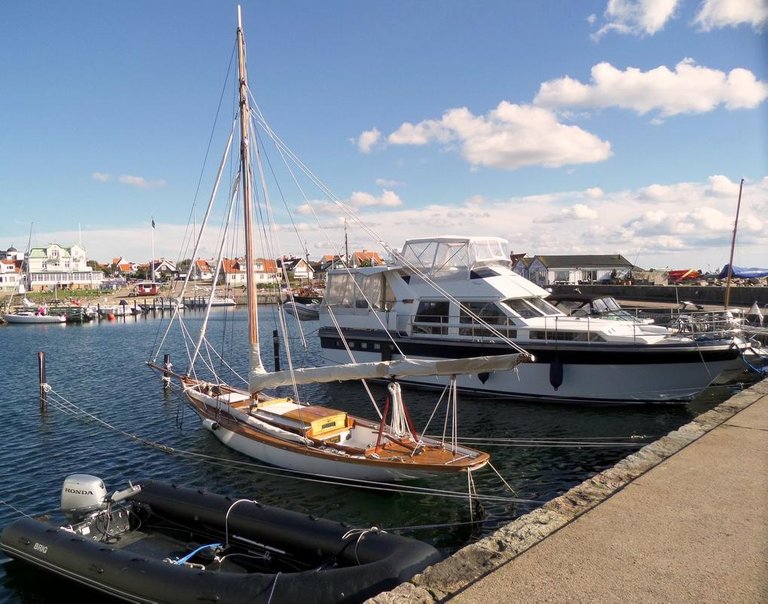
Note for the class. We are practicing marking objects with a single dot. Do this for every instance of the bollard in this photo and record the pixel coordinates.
(167, 371)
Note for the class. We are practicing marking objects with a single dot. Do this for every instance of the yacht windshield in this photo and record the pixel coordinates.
(444, 256)
(528, 308)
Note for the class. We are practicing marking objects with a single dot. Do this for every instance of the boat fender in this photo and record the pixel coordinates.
(483, 377)
(211, 425)
(556, 373)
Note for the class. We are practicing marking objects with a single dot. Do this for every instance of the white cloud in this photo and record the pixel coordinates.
(578, 211)
(476, 201)
(715, 14)
(387, 199)
(509, 137)
(679, 225)
(140, 182)
(672, 224)
(636, 17)
(689, 88)
(368, 139)
(385, 182)
(126, 179)
(358, 199)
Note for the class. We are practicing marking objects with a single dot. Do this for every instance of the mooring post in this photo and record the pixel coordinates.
(43, 384)
(167, 370)
(276, 349)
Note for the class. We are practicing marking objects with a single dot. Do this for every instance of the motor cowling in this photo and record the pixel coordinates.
(81, 495)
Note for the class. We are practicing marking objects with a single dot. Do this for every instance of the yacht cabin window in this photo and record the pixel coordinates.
(358, 290)
(451, 256)
(475, 317)
(436, 311)
(529, 308)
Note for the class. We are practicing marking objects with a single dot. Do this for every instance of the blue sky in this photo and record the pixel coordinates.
(567, 127)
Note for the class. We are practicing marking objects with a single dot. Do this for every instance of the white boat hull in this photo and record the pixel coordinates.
(303, 312)
(306, 464)
(582, 382)
(34, 319)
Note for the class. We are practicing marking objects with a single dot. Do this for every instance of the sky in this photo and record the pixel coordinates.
(564, 126)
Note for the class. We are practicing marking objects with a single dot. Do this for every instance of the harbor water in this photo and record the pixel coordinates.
(110, 416)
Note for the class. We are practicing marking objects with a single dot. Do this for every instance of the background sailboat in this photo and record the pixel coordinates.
(284, 431)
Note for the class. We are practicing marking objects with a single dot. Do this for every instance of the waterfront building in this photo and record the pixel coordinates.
(300, 268)
(10, 275)
(56, 267)
(121, 267)
(595, 268)
(233, 271)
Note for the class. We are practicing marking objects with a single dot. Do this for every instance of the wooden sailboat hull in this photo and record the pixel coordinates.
(389, 465)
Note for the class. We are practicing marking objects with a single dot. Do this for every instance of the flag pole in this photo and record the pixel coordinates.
(152, 260)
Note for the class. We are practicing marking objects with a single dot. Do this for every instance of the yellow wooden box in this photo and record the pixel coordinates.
(319, 420)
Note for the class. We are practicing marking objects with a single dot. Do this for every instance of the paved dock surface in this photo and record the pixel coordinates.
(694, 528)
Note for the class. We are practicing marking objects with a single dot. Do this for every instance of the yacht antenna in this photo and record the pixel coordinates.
(346, 245)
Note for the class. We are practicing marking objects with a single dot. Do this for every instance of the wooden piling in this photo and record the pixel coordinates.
(42, 379)
(276, 349)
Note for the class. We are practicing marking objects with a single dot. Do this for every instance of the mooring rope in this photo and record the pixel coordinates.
(67, 407)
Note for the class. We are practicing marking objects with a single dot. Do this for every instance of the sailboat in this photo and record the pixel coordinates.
(287, 432)
(29, 313)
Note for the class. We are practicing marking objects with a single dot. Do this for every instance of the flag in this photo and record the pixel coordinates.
(153, 223)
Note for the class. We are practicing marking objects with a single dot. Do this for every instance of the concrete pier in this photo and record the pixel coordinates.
(684, 519)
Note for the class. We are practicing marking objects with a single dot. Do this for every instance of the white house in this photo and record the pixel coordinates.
(123, 267)
(202, 270)
(301, 269)
(233, 272)
(10, 275)
(161, 270)
(56, 266)
(549, 270)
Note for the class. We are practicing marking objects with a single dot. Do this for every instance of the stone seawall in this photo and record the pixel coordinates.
(448, 577)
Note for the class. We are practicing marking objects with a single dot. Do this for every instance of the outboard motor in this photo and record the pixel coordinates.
(81, 495)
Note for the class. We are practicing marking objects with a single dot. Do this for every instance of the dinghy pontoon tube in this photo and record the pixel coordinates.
(168, 543)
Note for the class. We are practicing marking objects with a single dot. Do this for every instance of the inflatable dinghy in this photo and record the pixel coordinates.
(155, 542)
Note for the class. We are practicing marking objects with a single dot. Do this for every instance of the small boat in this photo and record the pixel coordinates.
(156, 542)
(120, 310)
(303, 295)
(35, 317)
(202, 302)
(302, 311)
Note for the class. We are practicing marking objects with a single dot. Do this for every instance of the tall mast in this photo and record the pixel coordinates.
(245, 176)
(733, 245)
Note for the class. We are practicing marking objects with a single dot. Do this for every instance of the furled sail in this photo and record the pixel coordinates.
(387, 369)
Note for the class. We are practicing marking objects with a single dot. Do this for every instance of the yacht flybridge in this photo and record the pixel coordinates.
(454, 297)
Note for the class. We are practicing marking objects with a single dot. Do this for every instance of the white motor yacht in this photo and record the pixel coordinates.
(453, 297)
